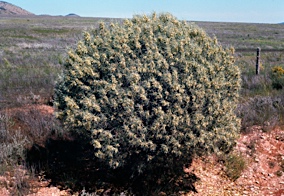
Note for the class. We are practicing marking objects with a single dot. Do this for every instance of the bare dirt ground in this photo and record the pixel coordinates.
(263, 152)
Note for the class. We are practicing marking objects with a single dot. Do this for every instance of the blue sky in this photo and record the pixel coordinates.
(251, 11)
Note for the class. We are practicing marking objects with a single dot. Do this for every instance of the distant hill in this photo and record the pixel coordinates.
(72, 15)
(10, 9)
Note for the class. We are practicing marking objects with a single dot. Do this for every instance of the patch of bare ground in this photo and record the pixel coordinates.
(264, 155)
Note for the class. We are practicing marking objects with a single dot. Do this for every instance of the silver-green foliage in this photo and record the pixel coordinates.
(151, 87)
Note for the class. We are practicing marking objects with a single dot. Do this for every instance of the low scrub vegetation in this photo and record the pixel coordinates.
(20, 131)
(235, 165)
(265, 111)
(12, 143)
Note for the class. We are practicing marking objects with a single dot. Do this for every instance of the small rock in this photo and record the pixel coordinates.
(270, 175)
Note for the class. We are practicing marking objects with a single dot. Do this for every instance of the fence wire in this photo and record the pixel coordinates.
(36, 83)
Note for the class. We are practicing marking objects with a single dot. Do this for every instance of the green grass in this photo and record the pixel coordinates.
(264, 42)
(235, 165)
(51, 31)
(24, 37)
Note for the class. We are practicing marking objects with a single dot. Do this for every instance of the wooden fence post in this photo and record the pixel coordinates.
(257, 61)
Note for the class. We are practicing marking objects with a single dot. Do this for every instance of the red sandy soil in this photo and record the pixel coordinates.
(263, 152)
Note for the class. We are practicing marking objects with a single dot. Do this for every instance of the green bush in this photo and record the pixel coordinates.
(235, 165)
(150, 90)
(277, 77)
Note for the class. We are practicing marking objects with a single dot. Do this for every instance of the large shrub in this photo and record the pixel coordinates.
(152, 89)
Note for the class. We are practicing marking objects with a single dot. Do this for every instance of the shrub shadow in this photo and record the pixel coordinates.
(70, 164)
